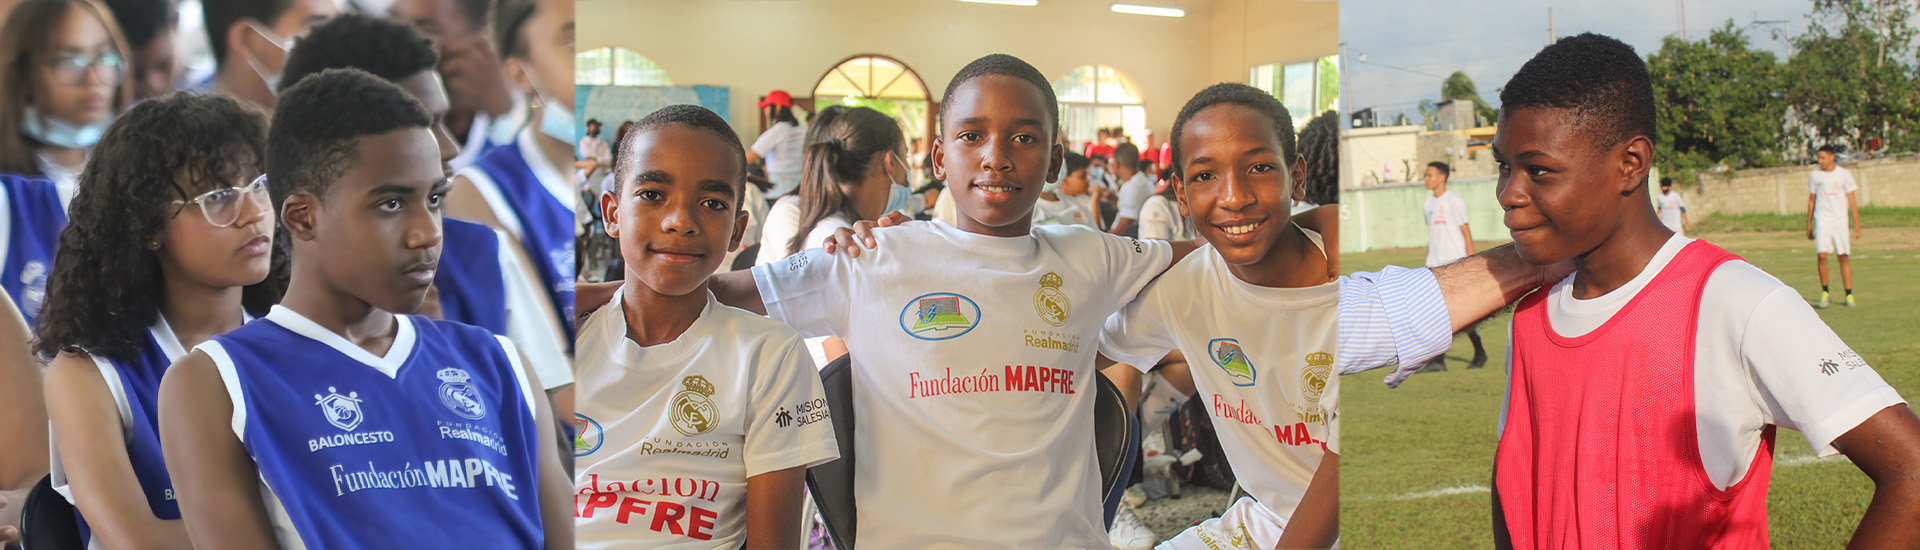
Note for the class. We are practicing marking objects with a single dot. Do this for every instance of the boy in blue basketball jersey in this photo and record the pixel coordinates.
(334, 422)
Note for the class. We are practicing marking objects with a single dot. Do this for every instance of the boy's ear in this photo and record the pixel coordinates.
(610, 212)
(739, 228)
(1180, 195)
(1636, 158)
(300, 214)
(1058, 159)
(1297, 178)
(938, 151)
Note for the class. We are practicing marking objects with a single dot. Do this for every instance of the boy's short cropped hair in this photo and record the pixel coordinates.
(318, 123)
(692, 116)
(1445, 170)
(1004, 65)
(1238, 94)
(1601, 82)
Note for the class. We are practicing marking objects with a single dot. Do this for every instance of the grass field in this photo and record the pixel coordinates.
(1417, 459)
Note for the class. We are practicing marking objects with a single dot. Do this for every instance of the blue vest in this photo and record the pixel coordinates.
(546, 225)
(469, 278)
(37, 218)
(140, 383)
(442, 454)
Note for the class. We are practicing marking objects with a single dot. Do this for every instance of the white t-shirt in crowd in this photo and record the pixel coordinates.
(1134, 193)
(1160, 219)
(973, 364)
(1446, 214)
(1671, 206)
(782, 146)
(1262, 360)
(1761, 356)
(669, 434)
(755, 204)
(1829, 191)
(591, 147)
(783, 221)
(1065, 211)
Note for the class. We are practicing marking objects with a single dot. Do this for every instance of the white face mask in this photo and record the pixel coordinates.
(272, 79)
(52, 131)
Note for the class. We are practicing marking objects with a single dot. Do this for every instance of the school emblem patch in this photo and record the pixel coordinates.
(1050, 302)
(587, 435)
(342, 411)
(939, 316)
(693, 410)
(1227, 354)
(459, 395)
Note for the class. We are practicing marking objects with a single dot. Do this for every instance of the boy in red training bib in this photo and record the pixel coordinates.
(1644, 390)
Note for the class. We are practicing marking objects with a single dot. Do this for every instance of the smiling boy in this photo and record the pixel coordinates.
(1644, 390)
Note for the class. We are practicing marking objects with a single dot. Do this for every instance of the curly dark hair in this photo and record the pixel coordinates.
(389, 50)
(1319, 145)
(1237, 94)
(1009, 66)
(106, 287)
(318, 122)
(1599, 79)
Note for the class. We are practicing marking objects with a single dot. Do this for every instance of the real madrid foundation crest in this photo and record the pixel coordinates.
(459, 395)
(1313, 385)
(1050, 302)
(693, 409)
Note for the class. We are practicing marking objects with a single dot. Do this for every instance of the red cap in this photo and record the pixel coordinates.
(777, 97)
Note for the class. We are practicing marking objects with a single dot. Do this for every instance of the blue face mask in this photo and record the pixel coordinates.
(897, 198)
(1097, 176)
(59, 133)
(556, 121)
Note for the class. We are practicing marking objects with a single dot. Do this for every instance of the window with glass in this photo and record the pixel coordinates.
(1307, 88)
(1098, 96)
(616, 66)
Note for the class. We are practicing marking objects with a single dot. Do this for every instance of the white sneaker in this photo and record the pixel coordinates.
(1127, 532)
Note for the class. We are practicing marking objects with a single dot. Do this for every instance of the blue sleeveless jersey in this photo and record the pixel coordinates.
(469, 280)
(140, 386)
(546, 225)
(35, 220)
(431, 446)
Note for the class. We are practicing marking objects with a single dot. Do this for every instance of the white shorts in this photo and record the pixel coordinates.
(1832, 237)
(1247, 525)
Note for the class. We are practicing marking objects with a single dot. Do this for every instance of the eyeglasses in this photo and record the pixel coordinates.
(72, 69)
(221, 207)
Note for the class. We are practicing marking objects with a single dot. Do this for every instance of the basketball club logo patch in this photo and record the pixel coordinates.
(1050, 302)
(1227, 354)
(693, 410)
(939, 316)
(342, 411)
(459, 395)
(587, 435)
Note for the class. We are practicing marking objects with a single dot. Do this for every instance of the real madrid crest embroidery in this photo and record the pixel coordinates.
(693, 410)
(1313, 385)
(1050, 302)
(342, 411)
(459, 395)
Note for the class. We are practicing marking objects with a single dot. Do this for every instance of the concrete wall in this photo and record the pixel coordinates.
(753, 46)
(1392, 216)
(1379, 156)
(1883, 182)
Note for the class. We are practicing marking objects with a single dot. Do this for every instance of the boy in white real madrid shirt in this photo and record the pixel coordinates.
(696, 420)
(1254, 311)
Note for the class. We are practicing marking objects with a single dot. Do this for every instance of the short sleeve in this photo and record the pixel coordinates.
(1807, 377)
(1130, 264)
(1133, 195)
(1812, 184)
(1154, 221)
(768, 140)
(1460, 208)
(788, 422)
(808, 291)
(1138, 334)
(1852, 185)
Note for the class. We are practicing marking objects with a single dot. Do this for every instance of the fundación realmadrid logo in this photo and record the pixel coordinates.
(459, 395)
(693, 410)
(342, 411)
(939, 316)
(1050, 302)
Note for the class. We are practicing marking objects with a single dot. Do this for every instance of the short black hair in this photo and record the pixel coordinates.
(1077, 162)
(1009, 66)
(1445, 171)
(593, 122)
(217, 15)
(691, 116)
(1237, 94)
(509, 18)
(1127, 154)
(1319, 144)
(318, 123)
(1828, 149)
(386, 49)
(1599, 79)
(1666, 182)
(141, 21)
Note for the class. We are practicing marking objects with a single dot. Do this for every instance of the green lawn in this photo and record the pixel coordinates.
(1416, 460)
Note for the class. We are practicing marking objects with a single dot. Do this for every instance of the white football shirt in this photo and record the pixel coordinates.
(1829, 191)
(1445, 214)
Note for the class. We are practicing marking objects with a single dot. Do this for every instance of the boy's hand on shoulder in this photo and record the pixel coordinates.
(851, 240)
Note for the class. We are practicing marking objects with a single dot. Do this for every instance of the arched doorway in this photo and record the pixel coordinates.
(1099, 96)
(883, 84)
(616, 66)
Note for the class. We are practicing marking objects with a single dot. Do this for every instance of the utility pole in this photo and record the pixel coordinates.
(1552, 37)
(1682, 4)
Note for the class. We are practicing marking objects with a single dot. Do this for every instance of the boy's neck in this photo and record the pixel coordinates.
(1621, 257)
(197, 312)
(1441, 190)
(1124, 173)
(340, 312)
(654, 318)
(1019, 228)
(1292, 262)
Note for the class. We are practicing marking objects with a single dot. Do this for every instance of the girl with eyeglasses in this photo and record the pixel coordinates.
(62, 81)
(171, 243)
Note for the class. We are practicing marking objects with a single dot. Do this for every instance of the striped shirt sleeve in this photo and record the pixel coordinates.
(1395, 317)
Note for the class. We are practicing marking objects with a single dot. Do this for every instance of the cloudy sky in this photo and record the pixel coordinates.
(1490, 39)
